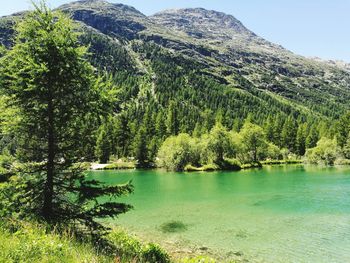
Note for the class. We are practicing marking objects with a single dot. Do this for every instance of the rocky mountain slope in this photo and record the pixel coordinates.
(204, 61)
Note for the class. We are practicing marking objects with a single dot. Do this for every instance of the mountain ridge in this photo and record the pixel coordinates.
(213, 44)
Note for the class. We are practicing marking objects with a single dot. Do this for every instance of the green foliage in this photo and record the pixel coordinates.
(6, 165)
(176, 152)
(343, 128)
(253, 142)
(312, 138)
(141, 150)
(26, 242)
(219, 143)
(272, 152)
(23, 242)
(169, 93)
(120, 165)
(289, 134)
(219, 149)
(346, 148)
(58, 101)
(104, 144)
(326, 152)
(300, 143)
(172, 122)
(132, 250)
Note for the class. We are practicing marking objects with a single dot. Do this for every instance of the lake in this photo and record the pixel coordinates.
(284, 214)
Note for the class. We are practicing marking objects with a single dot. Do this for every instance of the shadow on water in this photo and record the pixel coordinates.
(173, 227)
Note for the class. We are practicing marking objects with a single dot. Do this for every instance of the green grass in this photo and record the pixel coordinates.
(119, 166)
(130, 249)
(30, 243)
(342, 162)
(204, 168)
(271, 162)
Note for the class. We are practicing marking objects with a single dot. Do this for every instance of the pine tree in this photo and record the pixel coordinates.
(103, 145)
(197, 131)
(301, 139)
(343, 129)
(269, 129)
(172, 121)
(160, 125)
(140, 148)
(289, 134)
(277, 129)
(346, 148)
(122, 135)
(312, 138)
(56, 95)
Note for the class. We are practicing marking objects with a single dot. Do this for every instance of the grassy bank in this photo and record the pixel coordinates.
(29, 242)
(273, 162)
(234, 165)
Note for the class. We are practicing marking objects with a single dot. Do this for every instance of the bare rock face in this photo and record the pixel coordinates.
(112, 19)
(202, 23)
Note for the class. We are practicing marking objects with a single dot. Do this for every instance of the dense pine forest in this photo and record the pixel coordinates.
(159, 93)
(98, 82)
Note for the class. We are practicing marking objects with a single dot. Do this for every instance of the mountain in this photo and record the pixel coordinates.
(204, 62)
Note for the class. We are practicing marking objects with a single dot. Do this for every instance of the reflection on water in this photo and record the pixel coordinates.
(277, 214)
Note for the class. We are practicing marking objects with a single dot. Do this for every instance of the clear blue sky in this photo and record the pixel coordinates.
(307, 27)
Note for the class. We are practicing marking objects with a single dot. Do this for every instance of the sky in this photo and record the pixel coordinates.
(313, 28)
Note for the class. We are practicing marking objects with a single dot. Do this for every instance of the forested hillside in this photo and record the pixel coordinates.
(94, 85)
(183, 71)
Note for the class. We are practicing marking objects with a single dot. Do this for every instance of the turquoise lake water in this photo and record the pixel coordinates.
(276, 214)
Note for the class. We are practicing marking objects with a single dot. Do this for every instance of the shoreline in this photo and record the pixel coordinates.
(191, 169)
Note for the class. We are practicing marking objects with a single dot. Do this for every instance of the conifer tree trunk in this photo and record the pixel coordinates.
(48, 191)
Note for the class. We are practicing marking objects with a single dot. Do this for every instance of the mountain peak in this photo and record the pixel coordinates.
(113, 19)
(199, 22)
(102, 5)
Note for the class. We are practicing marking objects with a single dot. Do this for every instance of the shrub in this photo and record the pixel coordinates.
(176, 152)
(131, 249)
(273, 152)
(325, 152)
(6, 162)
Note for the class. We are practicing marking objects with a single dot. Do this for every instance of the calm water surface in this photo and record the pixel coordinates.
(275, 214)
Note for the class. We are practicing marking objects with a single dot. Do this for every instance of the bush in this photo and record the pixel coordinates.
(132, 250)
(326, 152)
(6, 162)
(176, 152)
(231, 164)
(154, 253)
(273, 152)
